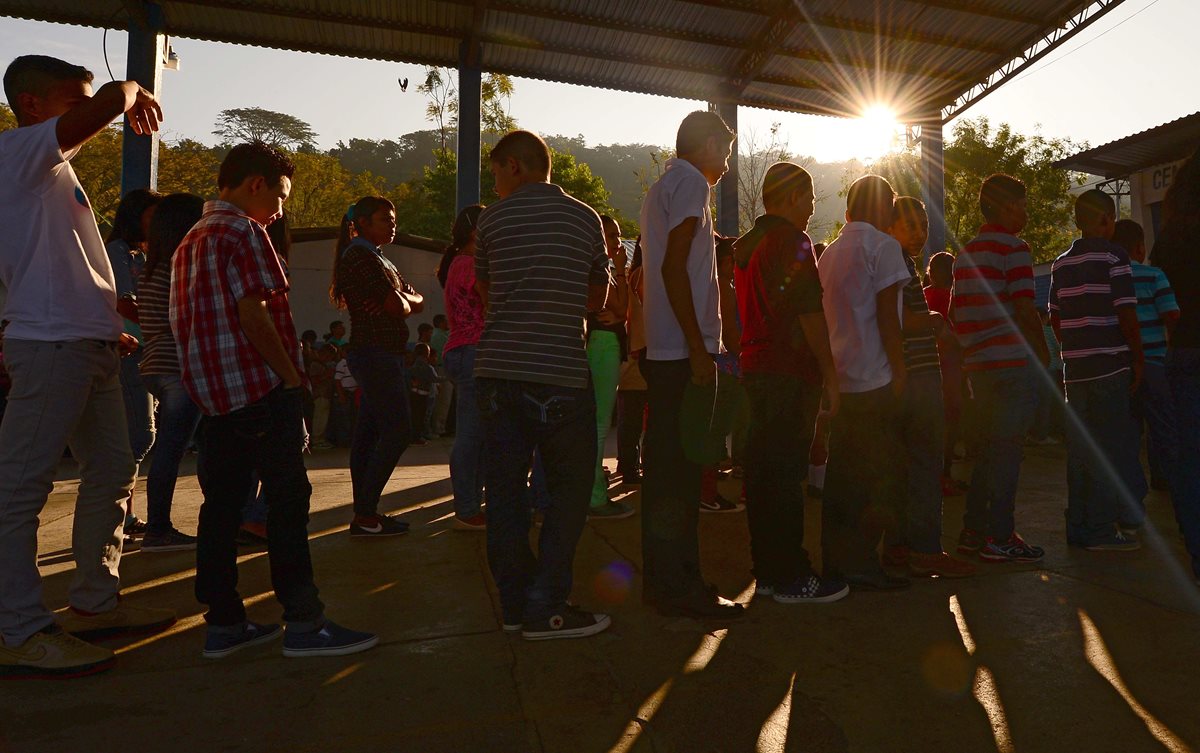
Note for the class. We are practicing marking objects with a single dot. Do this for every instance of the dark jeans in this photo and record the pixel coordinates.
(384, 426)
(1183, 370)
(139, 408)
(1102, 447)
(466, 459)
(560, 423)
(670, 489)
(1004, 403)
(922, 434)
(783, 410)
(268, 437)
(178, 416)
(631, 421)
(1154, 409)
(1048, 418)
(862, 481)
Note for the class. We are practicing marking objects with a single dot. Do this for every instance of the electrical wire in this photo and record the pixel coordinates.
(104, 41)
(1124, 21)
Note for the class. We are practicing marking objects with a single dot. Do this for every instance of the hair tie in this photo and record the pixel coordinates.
(350, 212)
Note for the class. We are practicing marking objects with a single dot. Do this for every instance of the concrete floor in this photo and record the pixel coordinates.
(1089, 652)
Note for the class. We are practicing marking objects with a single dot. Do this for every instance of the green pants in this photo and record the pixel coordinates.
(604, 360)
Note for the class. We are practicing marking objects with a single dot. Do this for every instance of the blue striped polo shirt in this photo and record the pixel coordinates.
(1155, 300)
(1087, 285)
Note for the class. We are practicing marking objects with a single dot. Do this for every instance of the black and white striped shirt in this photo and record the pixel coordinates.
(539, 250)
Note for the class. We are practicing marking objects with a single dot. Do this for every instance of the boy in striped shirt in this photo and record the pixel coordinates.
(1093, 311)
(1157, 313)
(997, 323)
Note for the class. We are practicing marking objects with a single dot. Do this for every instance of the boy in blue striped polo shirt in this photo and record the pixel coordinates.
(1157, 313)
(1092, 309)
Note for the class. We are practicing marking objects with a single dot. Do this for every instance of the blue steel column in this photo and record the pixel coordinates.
(470, 79)
(727, 189)
(139, 154)
(933, 185)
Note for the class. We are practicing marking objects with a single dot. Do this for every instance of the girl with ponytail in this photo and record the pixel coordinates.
(371, 288)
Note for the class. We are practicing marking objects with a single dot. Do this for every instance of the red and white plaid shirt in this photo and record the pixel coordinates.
(226, 257)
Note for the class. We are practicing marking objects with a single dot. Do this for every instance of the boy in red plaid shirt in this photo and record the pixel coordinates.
(241, 363)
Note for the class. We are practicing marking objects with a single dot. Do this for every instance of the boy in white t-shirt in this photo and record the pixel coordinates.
(62, 348)
(862, 274)
(681, 314)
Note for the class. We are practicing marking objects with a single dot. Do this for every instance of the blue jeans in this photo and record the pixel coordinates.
(1154, 409)
(139, 408)
(1183, 371)
(923, 431)
(559, 422)
(1005, 401)
(466, 459)
(177, 419)
(1102, 448)
(384, 428)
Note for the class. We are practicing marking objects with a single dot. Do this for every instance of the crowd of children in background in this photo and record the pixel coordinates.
(766, 356)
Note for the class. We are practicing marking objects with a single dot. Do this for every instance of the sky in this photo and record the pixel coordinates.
(1129, 71)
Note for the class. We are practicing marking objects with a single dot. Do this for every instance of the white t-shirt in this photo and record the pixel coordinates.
(861, 263)
(58, 277)
(343, 376)
(681, 192)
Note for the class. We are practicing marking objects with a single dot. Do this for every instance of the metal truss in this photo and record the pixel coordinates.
(1085, 16)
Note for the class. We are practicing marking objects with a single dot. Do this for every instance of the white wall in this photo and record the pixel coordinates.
(312, 264)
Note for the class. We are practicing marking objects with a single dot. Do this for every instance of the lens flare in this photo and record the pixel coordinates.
(613, 582)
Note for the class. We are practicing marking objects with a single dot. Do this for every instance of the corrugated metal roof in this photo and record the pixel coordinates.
(1154, 146)
(820, 56)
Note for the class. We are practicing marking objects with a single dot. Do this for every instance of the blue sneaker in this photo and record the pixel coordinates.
(218, 645)
(330, 639)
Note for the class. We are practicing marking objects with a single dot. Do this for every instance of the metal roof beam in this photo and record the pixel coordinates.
(980, 9)
(1078, 21)
(759, 51)
(872, 28)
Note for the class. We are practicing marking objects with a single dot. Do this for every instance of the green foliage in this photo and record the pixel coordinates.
(275, 128)
(187, 166)
(7, 118)
(322, 190)
(976, 150)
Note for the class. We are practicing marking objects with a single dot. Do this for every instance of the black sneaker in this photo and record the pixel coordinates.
(631, 479)
(719, 505)
(569, 622)
(376, 526)
(134, 527)
(171, 541)
(330, 639)
(220, 643)
(812, 589)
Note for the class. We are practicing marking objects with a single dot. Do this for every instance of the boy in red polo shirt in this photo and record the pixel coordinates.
(786, 361)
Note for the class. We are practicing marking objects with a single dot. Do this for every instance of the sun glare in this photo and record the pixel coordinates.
(875, 133)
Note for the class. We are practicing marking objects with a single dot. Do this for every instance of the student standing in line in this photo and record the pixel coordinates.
(605, 350)
(998, 325)
(126, 248)
(786, 366)
(1093, 308)
(62, 349)
(1158, 313)
(178, 414)
(683, 333)
(631, 386)
(916, 542)
(240, 361)
(938, 292)
(379, 301)
(464, 310)
(540, 268)
(862, 274)
(1175, 252)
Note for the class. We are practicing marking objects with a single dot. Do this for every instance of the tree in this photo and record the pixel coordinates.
(187, 166)
(754, 157)
(496, 90)
(322, 190)
(256, 124)
(8, 119)
(976, 150)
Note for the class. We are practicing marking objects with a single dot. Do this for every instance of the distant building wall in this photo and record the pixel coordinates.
(312, 264)
(1147, 189)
